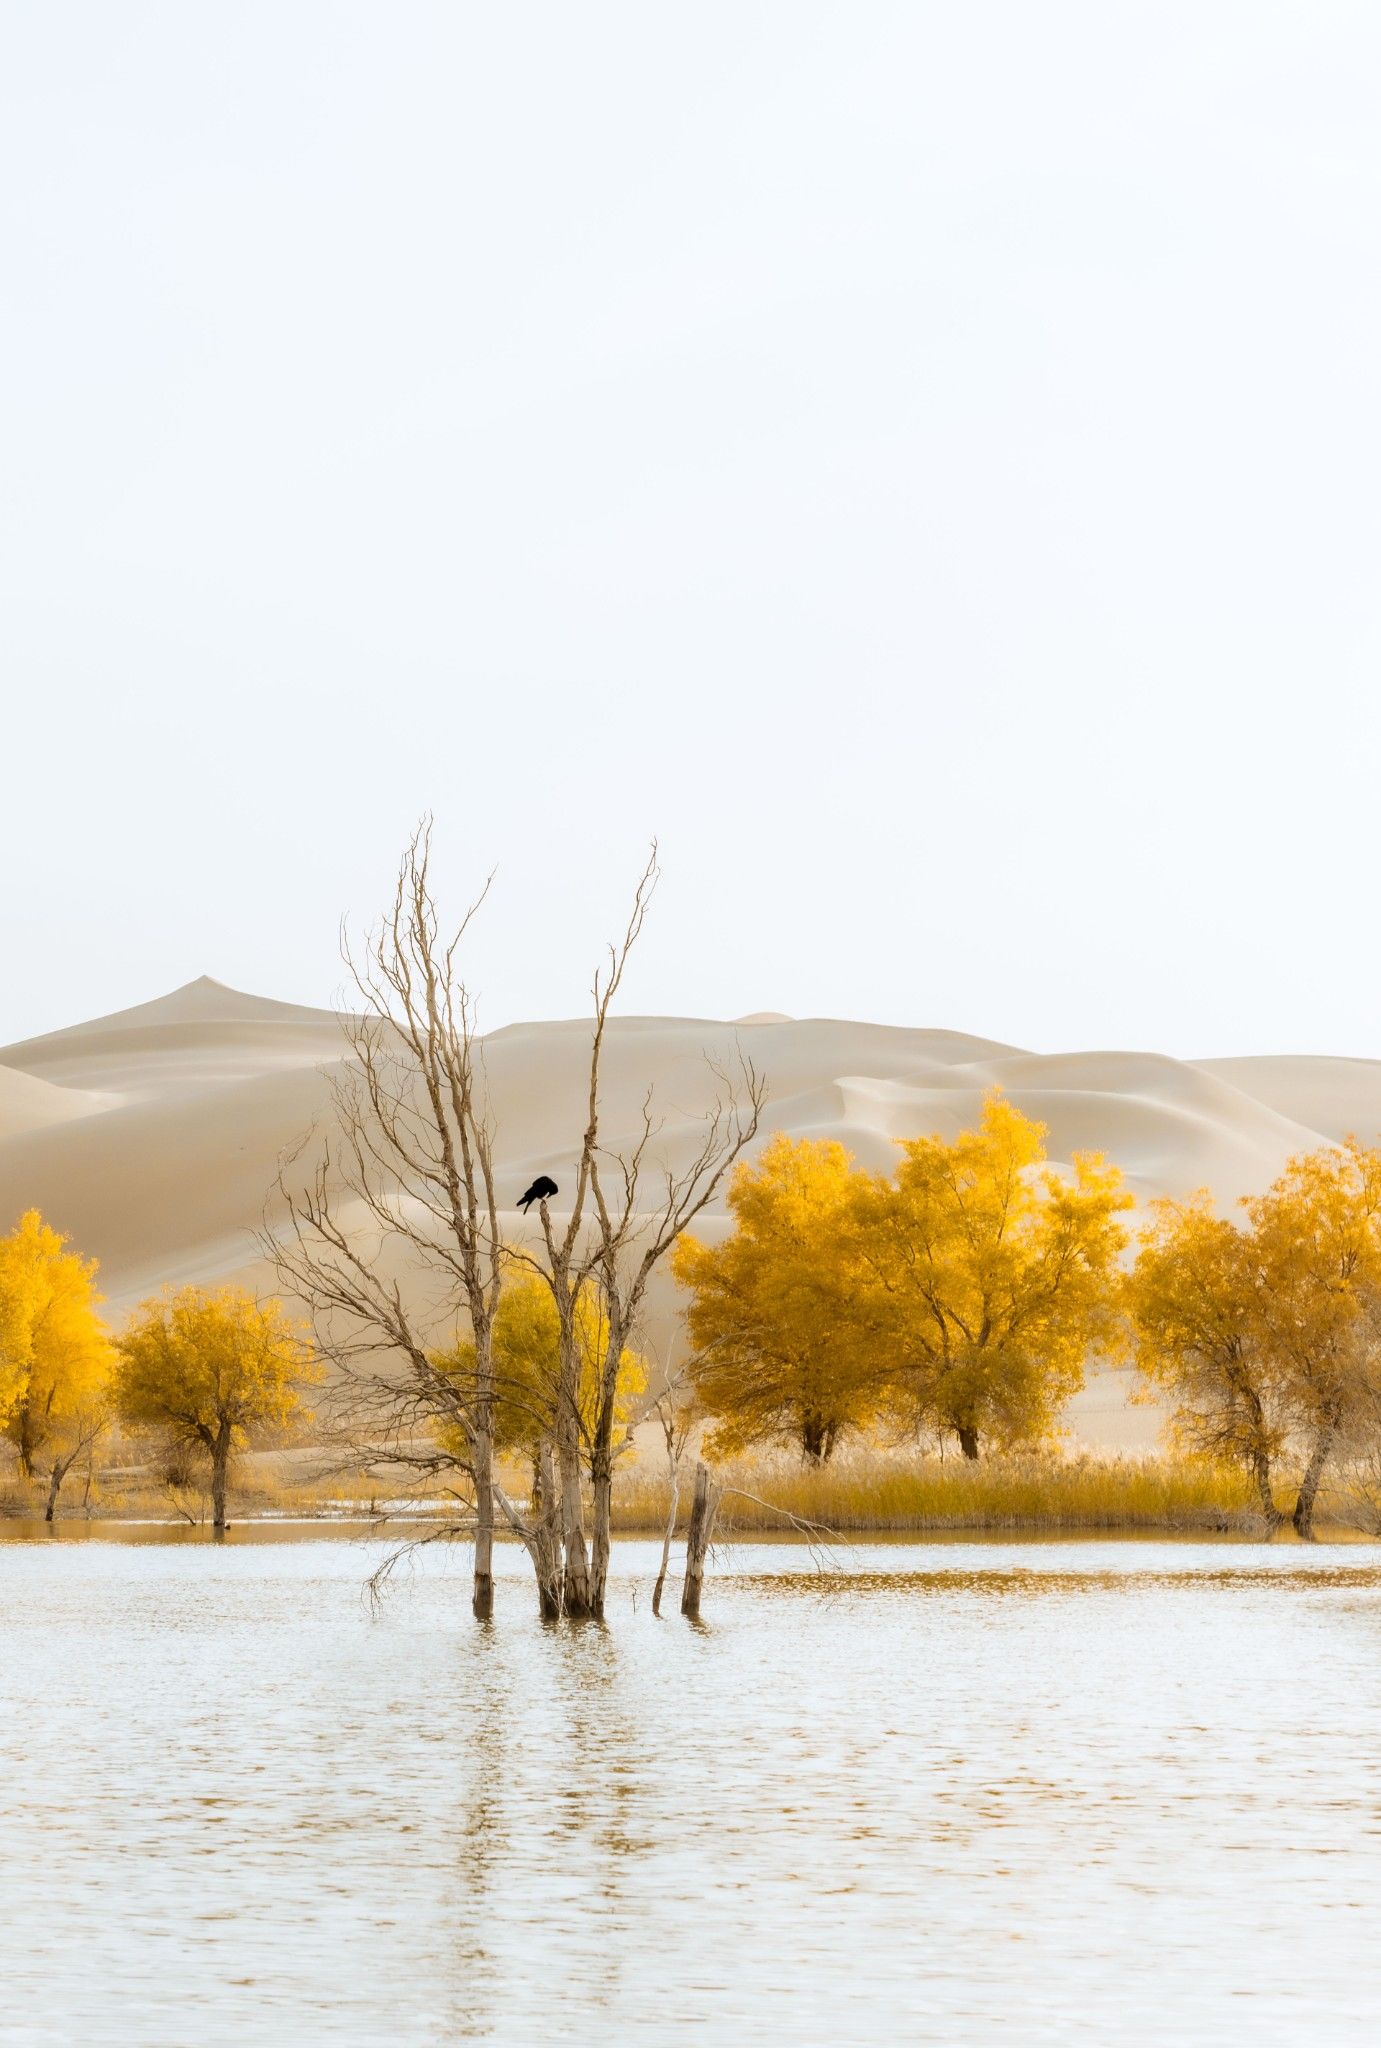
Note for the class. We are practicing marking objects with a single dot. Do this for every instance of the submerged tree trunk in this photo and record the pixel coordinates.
(546, 1539)
(482, 1596)
(1303, 1517)
(575, 1591)
(704, 1506)
(575, 1577)
(602, 1485)
(220, 1464)
(602, 1453)
(602, 1466)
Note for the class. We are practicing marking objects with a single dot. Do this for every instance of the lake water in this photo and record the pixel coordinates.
(1069, 1793)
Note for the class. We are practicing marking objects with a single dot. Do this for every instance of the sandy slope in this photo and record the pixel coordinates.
(152, 1135)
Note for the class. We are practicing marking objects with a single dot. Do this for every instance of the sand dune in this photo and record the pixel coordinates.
(197, 1038)
(1333, 1098)
(152, 1136)
(30, 1104)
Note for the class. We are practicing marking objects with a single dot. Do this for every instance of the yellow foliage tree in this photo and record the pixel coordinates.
(527, 1368)
(1317, 1234)
(1270, 1332)
(783, 1350)
(991, 1276)
(1196, 1309)
(55, 1353)
(214, 1367)
(13, 1334)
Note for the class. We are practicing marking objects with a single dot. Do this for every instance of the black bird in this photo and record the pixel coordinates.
(543, 1186)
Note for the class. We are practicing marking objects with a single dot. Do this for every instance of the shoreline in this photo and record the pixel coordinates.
(395, 1529)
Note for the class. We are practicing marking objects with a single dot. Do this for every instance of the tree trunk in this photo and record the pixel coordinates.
(668, 1536)
(1303, 1517)
(704, 1506)
(602, 1485)
(817, 1439)
(55, 1479)
(602, 1449)
(575, 1590)
(602, 1468)
(24, 1439)
(220, 1464)
(482, 1597)
(967, 1433)
(1258, 1457)
(1261, 1472)
(546, 1541)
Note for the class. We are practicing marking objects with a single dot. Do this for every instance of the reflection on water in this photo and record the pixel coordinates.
(1084, 1793)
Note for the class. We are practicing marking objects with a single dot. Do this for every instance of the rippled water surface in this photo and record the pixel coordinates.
(1068, 1793)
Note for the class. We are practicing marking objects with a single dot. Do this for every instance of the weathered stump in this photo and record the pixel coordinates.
(704, 1506)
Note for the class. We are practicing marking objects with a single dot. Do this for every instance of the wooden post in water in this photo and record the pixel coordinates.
(704, 1506)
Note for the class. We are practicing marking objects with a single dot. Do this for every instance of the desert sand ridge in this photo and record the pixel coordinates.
(198, 1002)
(153, 1135)
(201, 1034)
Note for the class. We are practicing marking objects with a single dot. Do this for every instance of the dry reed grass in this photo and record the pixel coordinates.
(876, 1491)
(879, 1492)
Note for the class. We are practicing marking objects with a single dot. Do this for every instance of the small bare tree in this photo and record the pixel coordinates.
(84, 1429)
(407, 1184)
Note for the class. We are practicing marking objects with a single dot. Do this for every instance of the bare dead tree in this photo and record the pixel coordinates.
(405, 1185)
(625, 1216)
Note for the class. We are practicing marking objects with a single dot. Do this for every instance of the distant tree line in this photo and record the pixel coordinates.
(205, 1371)
(963, 1295)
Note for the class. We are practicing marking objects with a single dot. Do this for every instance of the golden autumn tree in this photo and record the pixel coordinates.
(1197, 1311)
(1317, 1235)
(13, 1340)
(1267, 1335)
(55, 1352)
(783, 1350)
(214, 1368)
(990, 1276)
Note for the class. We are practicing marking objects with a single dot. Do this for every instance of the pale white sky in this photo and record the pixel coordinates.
(922, 460)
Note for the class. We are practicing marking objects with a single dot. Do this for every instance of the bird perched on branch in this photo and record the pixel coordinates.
(541, 1188)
